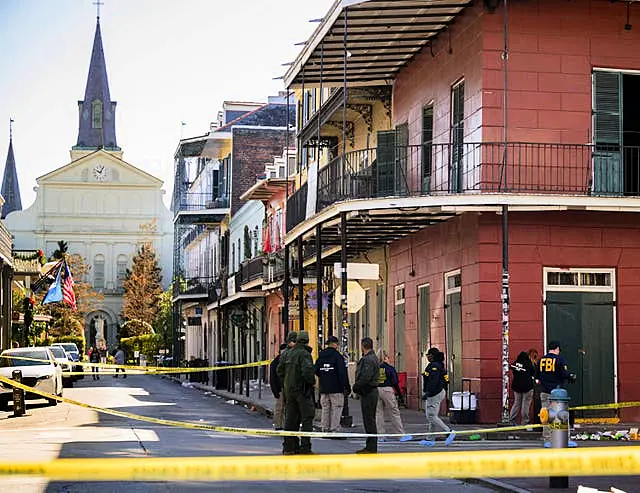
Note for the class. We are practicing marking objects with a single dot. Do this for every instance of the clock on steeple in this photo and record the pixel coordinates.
(101, 172)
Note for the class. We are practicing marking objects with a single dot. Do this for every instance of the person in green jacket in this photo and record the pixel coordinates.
(297, 373)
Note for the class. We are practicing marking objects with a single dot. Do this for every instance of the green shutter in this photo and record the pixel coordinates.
(385, 162)
(607, 133)
(427, 147)
(400, 169)
(457, 137)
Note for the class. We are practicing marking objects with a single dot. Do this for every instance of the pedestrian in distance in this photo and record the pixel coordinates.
(333, 382)
(388, 387)
(102, 351)
(366, 386)
(435, 382)
(120, 360)
(553, 373)
(533, 356)
(94, 357)
(297, 373)
(276, 389)
(524, 374)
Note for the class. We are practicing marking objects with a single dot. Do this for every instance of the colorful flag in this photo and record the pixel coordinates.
(54, 294)
(68, 296)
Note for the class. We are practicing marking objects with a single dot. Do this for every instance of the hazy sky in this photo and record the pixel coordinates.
(169, 61)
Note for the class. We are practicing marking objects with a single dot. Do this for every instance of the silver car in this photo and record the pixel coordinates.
(39, 368)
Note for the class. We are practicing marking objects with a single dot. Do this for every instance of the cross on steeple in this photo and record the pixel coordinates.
(97, 3)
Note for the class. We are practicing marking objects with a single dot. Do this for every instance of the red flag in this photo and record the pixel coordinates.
(68, 296)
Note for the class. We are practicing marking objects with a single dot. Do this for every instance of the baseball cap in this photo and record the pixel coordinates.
(332, 340)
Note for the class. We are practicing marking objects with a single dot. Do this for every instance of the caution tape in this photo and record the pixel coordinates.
(618, 461)
(613, 405)
(250, 431)
(148, 369)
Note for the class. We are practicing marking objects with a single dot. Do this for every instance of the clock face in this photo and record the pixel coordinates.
(100, 172)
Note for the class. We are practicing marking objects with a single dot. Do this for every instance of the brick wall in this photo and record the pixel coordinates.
(252, 148)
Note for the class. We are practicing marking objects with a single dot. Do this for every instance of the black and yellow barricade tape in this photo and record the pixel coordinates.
(618, 461)
(248, 431)
(613, 405)
(146, 369)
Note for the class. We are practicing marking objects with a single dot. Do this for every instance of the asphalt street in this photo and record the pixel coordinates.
(67, 431)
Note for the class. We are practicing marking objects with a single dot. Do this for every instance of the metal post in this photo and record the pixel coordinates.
(319, 285)
(285, 293)
(343, 285)
(300, 285)
(330, 304)
(19, 407)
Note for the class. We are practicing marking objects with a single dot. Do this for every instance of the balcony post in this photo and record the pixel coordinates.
(347, 419)
(320, 316)
(300, 285)
(285, 293)
(330, 304)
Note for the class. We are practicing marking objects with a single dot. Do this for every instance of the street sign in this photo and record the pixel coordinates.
(294, 309)
(355, 296)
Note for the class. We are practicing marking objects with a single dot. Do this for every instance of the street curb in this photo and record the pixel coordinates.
(496, 485)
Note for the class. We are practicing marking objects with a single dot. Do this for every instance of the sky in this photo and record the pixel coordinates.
(168, 62)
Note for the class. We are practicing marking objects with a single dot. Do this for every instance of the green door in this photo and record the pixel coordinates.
(583, 323)
(608, 175)
(399, 338)
(453, 305)
(424, 334)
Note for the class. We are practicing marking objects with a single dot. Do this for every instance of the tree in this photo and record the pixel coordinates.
(163, 323)
(142, 290)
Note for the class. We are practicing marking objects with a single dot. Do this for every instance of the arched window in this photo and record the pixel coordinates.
(96, 114)
(98, 272)
(122, 271)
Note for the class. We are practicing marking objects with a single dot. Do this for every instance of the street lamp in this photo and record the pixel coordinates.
(219, 329)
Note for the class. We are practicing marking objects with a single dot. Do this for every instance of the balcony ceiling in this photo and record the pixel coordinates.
(382, 37)
(264, 190)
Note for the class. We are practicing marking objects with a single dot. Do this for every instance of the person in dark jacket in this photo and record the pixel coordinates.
(552, 373)
(276, 389)
(333, 379)
(435, 382)
(94, 357)
(297, 373)
(366, 386)
(522, 385)
(388, 388)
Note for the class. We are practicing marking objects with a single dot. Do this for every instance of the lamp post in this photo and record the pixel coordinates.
(218, 348)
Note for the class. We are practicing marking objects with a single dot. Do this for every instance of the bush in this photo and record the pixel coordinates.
(147, 344)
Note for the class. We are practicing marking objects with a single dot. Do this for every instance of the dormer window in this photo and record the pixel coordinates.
(96, 112)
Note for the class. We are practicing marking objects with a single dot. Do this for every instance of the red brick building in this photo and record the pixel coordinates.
(560, 148)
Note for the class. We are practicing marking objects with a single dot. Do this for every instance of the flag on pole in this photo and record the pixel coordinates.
(54, 294)
(68, 296)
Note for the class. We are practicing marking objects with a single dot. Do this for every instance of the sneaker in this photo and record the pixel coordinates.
(366, 451)
(450, 438)
(406, 438)
(547, 444)
(572, 444)
(427, 443)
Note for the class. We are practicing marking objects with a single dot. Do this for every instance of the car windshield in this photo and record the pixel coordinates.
(69, 347)
(32, 358)
(58, 352)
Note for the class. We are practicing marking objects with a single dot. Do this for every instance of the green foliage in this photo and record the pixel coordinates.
(163, 323)
(148, 344)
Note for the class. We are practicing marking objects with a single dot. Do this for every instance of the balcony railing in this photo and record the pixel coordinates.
(251, 269)
(273, 269)
(194, 286)
(200, 202)
(454, 168)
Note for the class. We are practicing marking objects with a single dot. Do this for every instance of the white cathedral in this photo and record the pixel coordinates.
(102, 206)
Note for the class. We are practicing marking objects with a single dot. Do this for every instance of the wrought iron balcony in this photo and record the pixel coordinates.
(252, 269)
(273, 269)
(194, 287)
(456, 168)
(192, 202)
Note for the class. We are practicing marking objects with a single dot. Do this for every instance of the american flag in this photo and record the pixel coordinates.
(68, 296)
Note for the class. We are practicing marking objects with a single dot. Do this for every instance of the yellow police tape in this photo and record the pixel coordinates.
(248, 431)
(145, 369)
(613, 405)
(609, 461)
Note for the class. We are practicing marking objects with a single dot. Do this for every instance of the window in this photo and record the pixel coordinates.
(579, 279)
(121, 272)
(427, 147)
(96, 112)
(454, 281)
(399, 290)
(98, 272)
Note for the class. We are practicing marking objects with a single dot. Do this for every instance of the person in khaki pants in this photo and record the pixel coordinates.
(387, 402)
(331, 371)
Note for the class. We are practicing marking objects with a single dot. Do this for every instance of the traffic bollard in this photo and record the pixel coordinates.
(557, 418)
(19, 408)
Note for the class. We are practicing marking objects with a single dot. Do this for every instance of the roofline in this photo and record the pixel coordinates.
(314, 40)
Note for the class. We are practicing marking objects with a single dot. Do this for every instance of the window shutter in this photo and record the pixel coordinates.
(427, 147)
(607, 107)
(400, 168)
(385, 162)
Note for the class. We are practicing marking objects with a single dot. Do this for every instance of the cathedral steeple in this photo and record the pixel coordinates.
(97, 112)
(10, 185)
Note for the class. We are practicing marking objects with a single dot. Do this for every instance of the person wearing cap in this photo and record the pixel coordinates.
(552, 373)
(297, 373)
(435, 381)
(276, 389)
(334, 383)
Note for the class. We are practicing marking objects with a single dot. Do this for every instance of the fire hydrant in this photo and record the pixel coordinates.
(557, 418)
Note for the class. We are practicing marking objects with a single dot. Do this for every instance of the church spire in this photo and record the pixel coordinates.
(97, 127)
(10, 185)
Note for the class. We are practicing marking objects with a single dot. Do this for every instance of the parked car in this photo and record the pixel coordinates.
(40, 370)
(72, 350)
(66, 365)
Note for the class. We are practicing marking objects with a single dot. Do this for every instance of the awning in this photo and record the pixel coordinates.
(266, 189)
(236, 297)
(382, 36)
